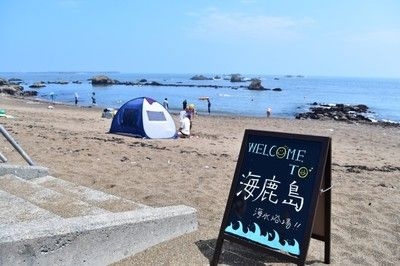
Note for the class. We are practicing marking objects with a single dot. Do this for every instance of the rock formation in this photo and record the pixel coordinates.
(256, 85)
(37, 85)
(340, 112)
(236, 78)
(200, 77)
(102, 80)
(14, 89)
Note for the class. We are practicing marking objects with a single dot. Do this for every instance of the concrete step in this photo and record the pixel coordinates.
(47, 199)
(48, 221)
(93, 197)
(15, 210)
(23, 171)
(93, 240)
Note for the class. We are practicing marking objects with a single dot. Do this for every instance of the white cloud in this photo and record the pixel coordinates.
(241, 26)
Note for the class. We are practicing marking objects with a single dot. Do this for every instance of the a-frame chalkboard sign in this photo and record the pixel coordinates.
(280, 196)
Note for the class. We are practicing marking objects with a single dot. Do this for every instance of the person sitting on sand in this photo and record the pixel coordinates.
(183, 113)
(184, 129)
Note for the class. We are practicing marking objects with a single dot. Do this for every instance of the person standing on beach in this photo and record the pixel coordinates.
(269, 112)
(76, 98)
(165, 104)
(52, 97)
(184, 105)
(93, 98)
(209, 106)
(191, 111)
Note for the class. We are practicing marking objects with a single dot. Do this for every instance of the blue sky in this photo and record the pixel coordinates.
(359, 38)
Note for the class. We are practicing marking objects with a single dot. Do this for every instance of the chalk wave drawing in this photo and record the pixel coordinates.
(256, 236)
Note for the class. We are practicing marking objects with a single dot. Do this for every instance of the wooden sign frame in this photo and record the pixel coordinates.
(317, 223)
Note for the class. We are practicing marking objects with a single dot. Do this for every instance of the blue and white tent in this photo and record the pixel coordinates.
(143, 117)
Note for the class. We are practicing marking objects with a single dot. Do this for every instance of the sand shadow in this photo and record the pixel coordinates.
(234, 254)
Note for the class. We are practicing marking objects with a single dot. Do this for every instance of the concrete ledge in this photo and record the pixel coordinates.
(93, 240)
(15, 210)
(48, 199)
(25, 171)
(94, 197)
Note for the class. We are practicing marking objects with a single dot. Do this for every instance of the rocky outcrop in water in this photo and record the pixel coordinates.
(255, 84)
(340, 112)
(343, 112)
(3, 82)
(15, 81)
(37, 85)
(236, 78)
(14, 89)
(59, 82)
(9, 88)
(102, 80)
(200, 77)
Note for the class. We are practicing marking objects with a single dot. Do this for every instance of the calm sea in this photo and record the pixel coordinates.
(381, 95)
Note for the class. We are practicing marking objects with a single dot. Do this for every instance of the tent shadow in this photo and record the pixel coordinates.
(234, 254)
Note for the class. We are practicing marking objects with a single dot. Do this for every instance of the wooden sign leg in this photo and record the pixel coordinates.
(217, 252)
(328, 206)
(327, 227)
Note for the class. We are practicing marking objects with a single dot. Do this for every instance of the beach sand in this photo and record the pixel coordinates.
(74, 144)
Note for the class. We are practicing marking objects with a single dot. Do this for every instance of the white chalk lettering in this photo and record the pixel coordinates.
(252, 147)
(295, 155)
(260, 147)
(291, 153)
(293, 168)
(294, 198)
(282, 152)
(272, 151)
(301, 155)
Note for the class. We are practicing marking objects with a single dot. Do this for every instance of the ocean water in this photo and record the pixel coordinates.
(382, 96)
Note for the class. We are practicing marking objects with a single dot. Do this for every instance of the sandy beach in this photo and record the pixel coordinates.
(74, 143)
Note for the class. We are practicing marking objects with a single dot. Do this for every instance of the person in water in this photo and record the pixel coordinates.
(165, 104)
(269, 112)
(184, 105)
(76, 98)
(93, 98)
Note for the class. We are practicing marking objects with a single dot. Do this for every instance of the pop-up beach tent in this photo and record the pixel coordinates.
(143, 117)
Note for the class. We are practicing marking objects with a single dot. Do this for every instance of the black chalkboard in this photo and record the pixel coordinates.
(274, 194)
